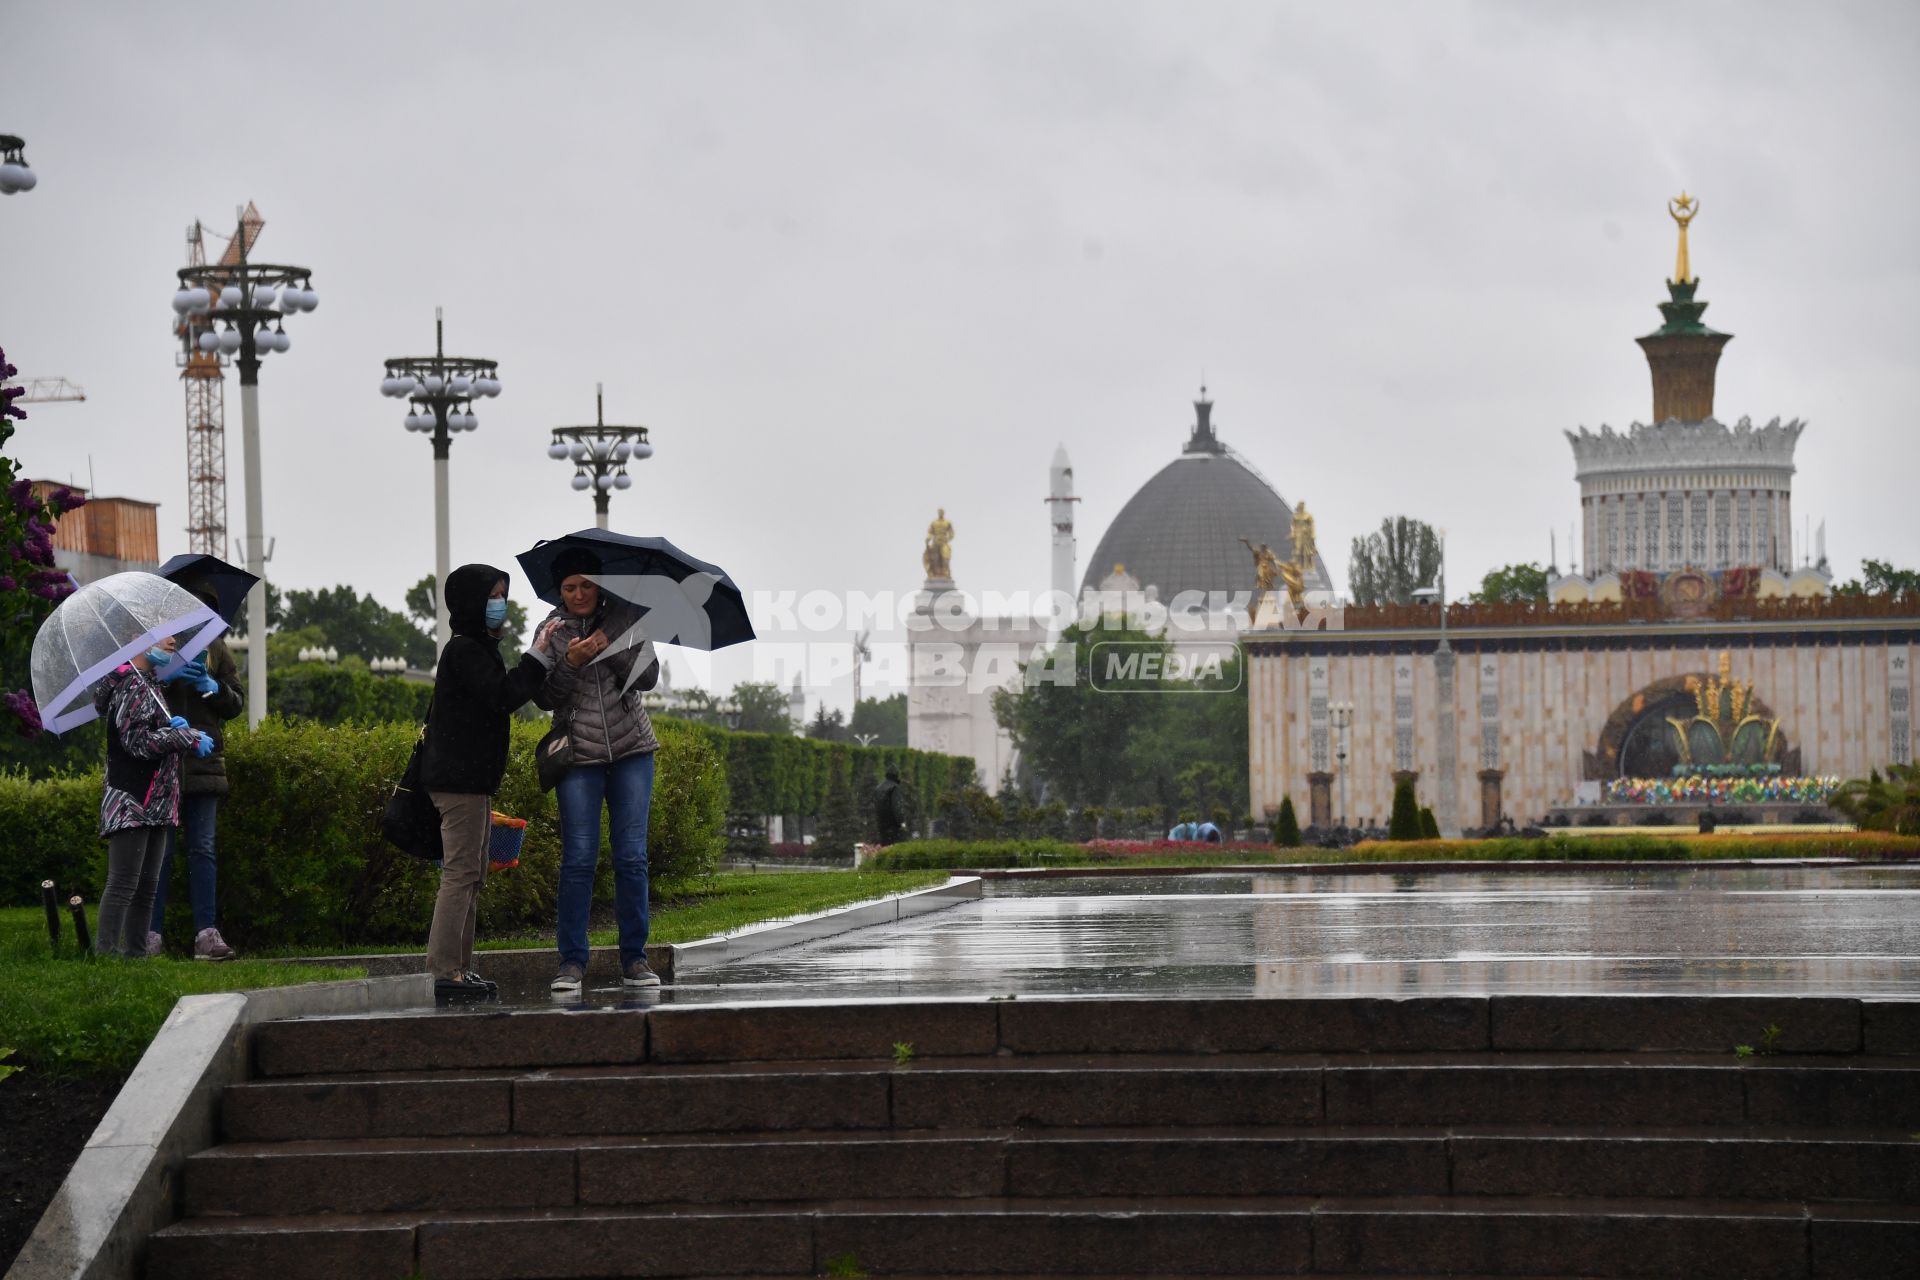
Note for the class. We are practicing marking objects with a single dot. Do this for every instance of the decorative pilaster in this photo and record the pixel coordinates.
(1446, 809)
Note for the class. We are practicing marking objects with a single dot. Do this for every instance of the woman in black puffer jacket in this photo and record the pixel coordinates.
(474, 696)
(599, 663)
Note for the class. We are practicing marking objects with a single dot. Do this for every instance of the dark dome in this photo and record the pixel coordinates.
(1182, 530)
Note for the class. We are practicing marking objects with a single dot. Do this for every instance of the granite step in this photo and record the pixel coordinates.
(449, 1174)
(1704, 1240)
(496, 1037)
(1636, 1091)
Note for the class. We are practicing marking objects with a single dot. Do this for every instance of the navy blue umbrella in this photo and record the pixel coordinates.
(229, 583)
(684, 601)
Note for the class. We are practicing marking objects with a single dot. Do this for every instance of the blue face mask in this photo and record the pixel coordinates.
(496, 614)
(157, 658)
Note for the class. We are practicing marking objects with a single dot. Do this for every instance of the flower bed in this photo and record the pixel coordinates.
(1705, 789)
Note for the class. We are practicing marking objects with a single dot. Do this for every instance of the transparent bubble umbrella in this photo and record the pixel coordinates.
(99, 627)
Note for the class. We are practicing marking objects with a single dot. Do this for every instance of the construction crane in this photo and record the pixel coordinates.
(206, 387)
(47, 390)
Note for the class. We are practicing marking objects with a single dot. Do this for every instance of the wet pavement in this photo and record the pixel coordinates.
(1683, 930)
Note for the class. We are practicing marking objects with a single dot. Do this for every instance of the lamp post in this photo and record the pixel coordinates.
(245, 297)
(440, 390)
(600, 454)
(1342, 713)
(14, 174)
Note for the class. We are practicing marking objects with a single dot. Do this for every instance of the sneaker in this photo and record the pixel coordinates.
(461, 991)
(637, 974)
(207, 945)
(488, 983)
(154, 945)
(568, 979)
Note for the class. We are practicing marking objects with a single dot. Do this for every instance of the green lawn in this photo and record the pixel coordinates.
(87, 1015)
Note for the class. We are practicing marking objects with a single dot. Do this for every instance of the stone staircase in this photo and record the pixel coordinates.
(1509, 1136)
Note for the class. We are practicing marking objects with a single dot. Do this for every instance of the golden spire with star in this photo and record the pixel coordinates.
(1683, 210)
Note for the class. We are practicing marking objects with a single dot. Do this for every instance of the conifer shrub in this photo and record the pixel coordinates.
(1405, 822)
(1286, 827)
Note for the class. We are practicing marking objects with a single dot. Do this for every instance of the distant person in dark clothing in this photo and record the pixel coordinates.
(206, 694)
(890, 807)
(474, 697)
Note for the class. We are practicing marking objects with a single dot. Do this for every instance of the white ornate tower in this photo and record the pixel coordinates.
(1060, 502)
(1686, 493)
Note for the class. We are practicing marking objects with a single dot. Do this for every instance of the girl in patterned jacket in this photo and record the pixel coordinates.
(141, 800)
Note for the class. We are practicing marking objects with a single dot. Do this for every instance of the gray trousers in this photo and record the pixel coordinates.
(134, 858)
(466, 822)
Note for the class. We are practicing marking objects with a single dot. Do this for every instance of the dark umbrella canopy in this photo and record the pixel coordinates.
(684, 601)
(229, 583)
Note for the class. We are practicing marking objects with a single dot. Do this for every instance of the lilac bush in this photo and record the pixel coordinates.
(30, 585)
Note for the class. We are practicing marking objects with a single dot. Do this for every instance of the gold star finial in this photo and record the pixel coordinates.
(1683, 208)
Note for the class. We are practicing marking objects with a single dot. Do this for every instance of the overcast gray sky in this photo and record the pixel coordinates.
(853, 261)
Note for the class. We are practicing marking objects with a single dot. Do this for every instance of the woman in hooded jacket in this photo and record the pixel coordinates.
(140, 800)
(600, 662)
(465, 757)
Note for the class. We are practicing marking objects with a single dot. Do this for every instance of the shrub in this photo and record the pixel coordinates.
(1405, 823)
(1429, 829)
(50, 831)
(1286, 827)
(840, 824)
(301, 859)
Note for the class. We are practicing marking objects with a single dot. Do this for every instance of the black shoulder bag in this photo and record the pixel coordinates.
(411, 821)
(554, 754)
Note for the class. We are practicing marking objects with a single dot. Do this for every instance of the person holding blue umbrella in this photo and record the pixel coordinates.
(206, 693)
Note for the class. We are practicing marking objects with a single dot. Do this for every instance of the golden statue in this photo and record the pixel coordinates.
(1304, 546)
(937, 557)
(1270, 571)
(1683, 209)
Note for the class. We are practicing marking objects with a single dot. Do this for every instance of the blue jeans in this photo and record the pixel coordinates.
(626, 788)
(196, 825)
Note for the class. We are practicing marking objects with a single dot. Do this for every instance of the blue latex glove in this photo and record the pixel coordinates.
(178, 722)
(205, 685)
(180, 671)
(204, 747)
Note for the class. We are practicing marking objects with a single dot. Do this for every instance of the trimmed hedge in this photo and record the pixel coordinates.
(914, 855)
(301, 859)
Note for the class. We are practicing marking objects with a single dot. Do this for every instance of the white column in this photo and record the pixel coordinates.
(256, 556)
(442, 626)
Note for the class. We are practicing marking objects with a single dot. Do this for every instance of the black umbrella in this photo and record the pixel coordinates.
(229, 583)
(684, 601)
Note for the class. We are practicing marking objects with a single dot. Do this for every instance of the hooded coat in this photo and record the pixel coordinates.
(474, 694)
(144, 751)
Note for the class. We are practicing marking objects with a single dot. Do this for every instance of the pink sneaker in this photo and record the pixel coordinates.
(154, 945)
(209, 945)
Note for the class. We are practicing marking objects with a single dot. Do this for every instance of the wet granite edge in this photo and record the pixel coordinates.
(670, 960)
(1451, 865)
(125, 1184)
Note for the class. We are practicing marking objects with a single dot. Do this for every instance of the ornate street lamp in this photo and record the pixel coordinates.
(14, 174)
(600, 454)
(440, 390)
(238, 309)
(1342, 713)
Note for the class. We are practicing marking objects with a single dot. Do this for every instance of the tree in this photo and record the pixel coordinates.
(1405, 823)
(1286, 827)
(359, 625)
(276, 614)
(1890, 804)
(1512, 584)
(763, 708)
(886, 718)
(840, 822)
(828, 726)
(1103, 739)
(1429, 827)
(30, 584)
(1879, 578)
(1389, 566)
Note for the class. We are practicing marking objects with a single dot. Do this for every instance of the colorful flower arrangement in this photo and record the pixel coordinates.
(1702, 789)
